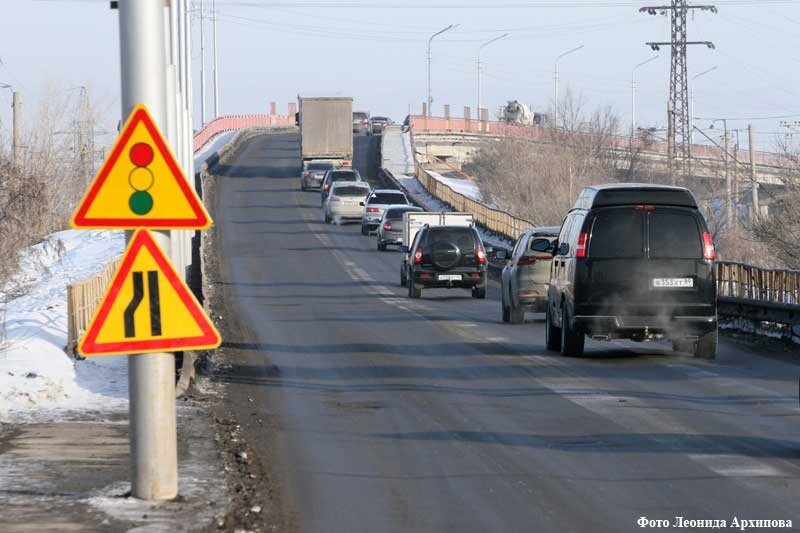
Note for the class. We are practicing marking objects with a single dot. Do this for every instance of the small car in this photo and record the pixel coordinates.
(332, 176)
(525, 277)
(376, 204)
(313, 174)
(379, 123)
(390, 227)
(361, 125)
(345, 199)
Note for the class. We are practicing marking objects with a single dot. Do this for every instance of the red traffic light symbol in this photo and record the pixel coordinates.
(141, 154)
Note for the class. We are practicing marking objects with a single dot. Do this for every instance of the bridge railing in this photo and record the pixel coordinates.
(237, 122)
(748, 282)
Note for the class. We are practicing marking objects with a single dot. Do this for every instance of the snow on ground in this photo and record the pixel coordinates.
(398, 159)
(38, 381)
(462, 186)
(211, 147)
(37, 378)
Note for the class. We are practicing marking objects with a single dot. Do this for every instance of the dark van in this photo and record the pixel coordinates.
(633, 261)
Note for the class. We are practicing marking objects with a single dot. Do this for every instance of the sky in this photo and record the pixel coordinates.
(375, 51)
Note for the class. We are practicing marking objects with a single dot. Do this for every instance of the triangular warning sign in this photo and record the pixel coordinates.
(147, 308)
(140, 185)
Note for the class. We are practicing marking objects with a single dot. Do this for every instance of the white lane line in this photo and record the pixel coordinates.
(736, 465)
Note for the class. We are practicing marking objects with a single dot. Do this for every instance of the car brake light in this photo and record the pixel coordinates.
(387, 226)
(335, 199)
(481, 255)
(526, 260)
(418, 256)
(645, 208)
(346, 163)
(708, 247)
(306, 174)
(326, 187)
(373, 210)
(580, 249)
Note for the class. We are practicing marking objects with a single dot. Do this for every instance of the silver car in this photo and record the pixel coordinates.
(345, 200)
(337, 174)
(390, 228)
(526, 276)
(376, 204)
(313, 174)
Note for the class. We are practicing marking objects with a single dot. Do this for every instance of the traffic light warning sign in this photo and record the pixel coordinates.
(147, 308)
(140, 185)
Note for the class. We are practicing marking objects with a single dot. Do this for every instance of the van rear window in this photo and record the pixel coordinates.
(617, 233)
(674, 235)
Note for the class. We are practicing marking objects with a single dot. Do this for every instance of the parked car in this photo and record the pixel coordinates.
(314, 173)
(376, 204)
(447, 257)
(378, 123)
(332, 176)
(526, 275)
(361, 123)
(345, 199)
(634, 262)
(390, 228)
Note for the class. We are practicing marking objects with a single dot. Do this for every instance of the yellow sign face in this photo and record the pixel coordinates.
(147, 308)
(140, 185)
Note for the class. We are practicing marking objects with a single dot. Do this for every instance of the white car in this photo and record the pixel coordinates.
(376, 204)
(345, 199)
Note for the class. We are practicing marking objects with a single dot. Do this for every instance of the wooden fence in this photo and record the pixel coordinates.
(750, 282)
(83, 297)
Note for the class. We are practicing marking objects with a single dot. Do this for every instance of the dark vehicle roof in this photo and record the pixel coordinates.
(360, 114)
(613, 194)
(337, 174)
(395, 210)
(380, 118)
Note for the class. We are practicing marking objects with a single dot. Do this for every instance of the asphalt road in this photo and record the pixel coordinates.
(390, 414)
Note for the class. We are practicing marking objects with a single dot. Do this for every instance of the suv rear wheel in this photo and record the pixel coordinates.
(552, 334)
(479, 291)
(706, 347)
(413, 290)
(364, 230)
(381, 247)
(572, 342)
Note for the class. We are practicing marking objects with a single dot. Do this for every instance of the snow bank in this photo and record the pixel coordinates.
(212, 147)
(461, 186)
(36, 376)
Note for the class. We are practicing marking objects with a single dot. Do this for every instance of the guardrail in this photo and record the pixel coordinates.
(83, 297)
(748, 282)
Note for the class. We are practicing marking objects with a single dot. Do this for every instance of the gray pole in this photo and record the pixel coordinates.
(151, 378)
(430, 40)
(633, 92)
(730, 218)
(756, 210)
(202, 68)
(555, 103)
(216, 63)
(16, 143)
(480, 67)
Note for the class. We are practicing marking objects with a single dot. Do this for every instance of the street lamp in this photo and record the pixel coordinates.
(555, 103)
(16, 104)
(691, 102)
(480, 69)
(430, 97)
(633, 93)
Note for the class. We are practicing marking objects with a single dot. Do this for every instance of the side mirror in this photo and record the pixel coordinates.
(541, 245)
(501, 255)
(563, 249)
(554, 249)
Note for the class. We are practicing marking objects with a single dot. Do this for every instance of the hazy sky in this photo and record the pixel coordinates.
(376, 52)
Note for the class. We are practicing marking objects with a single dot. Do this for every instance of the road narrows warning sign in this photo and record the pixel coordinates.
(147, 308)
(140, 185)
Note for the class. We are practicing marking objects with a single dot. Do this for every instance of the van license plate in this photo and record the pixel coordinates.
(673, 283)
(449, 277)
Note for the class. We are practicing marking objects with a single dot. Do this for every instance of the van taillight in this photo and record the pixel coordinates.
(708, 247)
(373, 210)
(481, 255)
(580, 249)
(418, 256)
(306, 174)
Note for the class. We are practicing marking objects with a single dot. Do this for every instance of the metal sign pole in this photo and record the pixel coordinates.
(151, 378)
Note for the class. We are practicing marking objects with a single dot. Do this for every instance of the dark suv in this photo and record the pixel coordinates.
(446, 257)
(634, 262)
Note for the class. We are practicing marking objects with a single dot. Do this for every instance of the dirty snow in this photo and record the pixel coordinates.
(462, 186)
(36, 376)
(212, 147)
(397, 159)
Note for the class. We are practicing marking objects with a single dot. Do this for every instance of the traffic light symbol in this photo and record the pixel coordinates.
(141, 178)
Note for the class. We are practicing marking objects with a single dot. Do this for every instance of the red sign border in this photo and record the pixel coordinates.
(80, 219)
(209, 339)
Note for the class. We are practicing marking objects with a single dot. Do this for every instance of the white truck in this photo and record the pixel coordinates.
(413, 221)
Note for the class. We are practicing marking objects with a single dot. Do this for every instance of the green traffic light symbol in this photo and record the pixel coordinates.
(141, 179)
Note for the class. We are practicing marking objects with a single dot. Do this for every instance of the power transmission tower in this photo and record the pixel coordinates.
(679, 141)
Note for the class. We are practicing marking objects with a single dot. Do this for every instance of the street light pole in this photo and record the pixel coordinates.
(216, 62)
(555, 78)
(16, 118)
(202, 68)
(430, 39)
(153, 437)
(633, 93)
(691, 103)
(480, 68)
